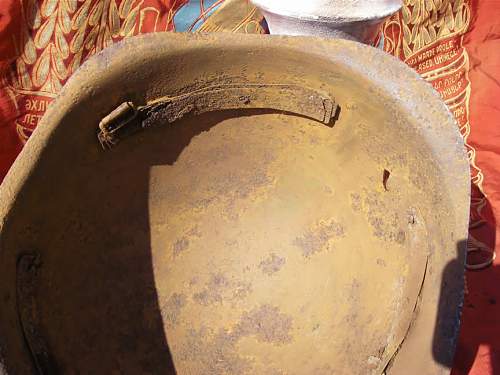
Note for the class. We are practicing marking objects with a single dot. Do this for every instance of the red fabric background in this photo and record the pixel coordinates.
(478, 352)
(10, 27)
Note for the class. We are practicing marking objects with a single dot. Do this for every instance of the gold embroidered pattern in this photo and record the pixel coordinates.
(60, 30)
(426, 21)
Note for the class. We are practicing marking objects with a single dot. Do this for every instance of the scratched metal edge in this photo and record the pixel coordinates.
(435, 125)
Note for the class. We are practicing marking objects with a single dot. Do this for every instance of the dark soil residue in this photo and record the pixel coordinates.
(172, 308)
(318, 239)
(267, 323)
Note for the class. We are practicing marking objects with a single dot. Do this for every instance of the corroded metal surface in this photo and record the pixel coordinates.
(242, 241)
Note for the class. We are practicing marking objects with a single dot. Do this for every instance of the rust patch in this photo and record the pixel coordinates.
(219, 289)
(237, 188)
(172, 308)
(213, 292)
(272, 264)
(180, 245)
(318, 239)
(356, 202)
(267, 323)
(383, 218)
(216, 353)
(234, 189)
(213, 354)
(254, 182)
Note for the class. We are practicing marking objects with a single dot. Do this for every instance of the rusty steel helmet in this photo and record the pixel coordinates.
(236, 204)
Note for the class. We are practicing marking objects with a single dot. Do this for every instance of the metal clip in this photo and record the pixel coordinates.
(127, 118)
(121, 121)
